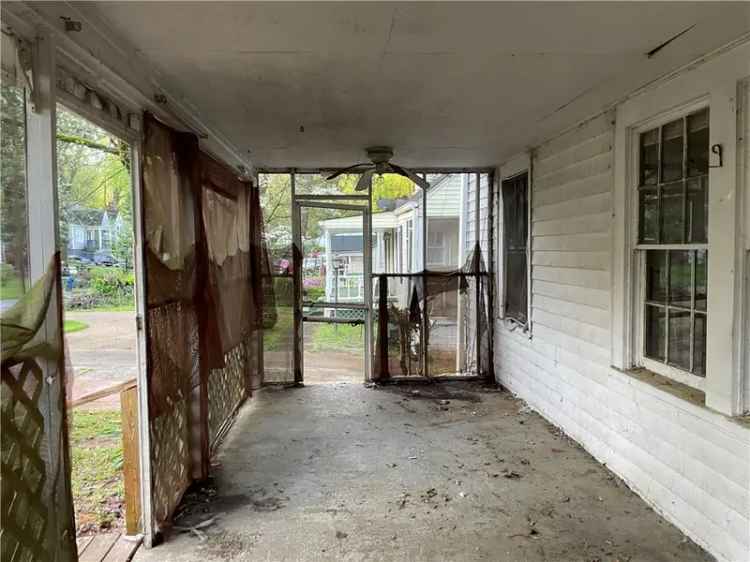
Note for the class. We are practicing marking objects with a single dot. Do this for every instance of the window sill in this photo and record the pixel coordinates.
(670, 386)
(513, 325)
(682, 392)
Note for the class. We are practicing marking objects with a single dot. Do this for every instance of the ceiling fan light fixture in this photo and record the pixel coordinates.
(380, 164)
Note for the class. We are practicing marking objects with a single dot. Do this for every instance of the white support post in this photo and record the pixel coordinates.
(144, 433)
(42, 161)
(42, 214)
(367, 275)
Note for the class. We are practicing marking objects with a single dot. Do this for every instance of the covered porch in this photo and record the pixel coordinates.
(413, 281)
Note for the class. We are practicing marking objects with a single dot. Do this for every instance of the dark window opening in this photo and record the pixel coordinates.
(515, 243)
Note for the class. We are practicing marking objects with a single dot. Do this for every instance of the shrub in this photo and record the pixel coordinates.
(102, 287)
(314, 293)
(110, 281)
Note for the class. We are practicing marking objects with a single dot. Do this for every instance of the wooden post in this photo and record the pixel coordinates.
(130, 465)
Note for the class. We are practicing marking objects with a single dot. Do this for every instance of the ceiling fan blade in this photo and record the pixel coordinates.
(345, 170)
(365, 180)
(424, 184)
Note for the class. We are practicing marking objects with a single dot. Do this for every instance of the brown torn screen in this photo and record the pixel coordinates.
(170, 177)
(433, 323)
(230, 306)
(206, 267)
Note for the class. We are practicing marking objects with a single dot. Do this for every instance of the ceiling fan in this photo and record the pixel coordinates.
(380, 163)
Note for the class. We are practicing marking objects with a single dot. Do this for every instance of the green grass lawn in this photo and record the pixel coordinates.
(96, 454)
(70, 326)
(280, 336)
(337, 337)
(11, 287)
(323, 337)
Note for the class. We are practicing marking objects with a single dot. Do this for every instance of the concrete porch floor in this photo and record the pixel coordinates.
(344, 472)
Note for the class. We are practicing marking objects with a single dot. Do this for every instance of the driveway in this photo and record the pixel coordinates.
(103, 354)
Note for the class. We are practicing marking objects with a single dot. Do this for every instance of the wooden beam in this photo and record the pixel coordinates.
(131, 461)
(103, 393)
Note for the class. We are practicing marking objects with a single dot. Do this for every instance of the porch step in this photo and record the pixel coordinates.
(107, 547)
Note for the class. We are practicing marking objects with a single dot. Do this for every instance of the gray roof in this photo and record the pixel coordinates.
(86, 217)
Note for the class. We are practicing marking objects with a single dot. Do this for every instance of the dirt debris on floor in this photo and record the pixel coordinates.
(346, 472)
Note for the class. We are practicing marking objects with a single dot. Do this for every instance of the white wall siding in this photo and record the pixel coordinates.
(691, 464)
(470, 204)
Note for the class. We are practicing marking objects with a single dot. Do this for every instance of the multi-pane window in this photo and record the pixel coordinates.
(673, 234)
(515, 241)
(436, 248)
(673, 186)
(675, 309)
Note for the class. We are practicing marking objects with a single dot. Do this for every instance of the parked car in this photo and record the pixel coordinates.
(79, 261)
(104, 258)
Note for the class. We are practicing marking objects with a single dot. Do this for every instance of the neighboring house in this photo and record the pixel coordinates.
(92, 230)
(397, 239)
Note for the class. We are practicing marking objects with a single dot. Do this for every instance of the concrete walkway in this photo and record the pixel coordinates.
(451, 472)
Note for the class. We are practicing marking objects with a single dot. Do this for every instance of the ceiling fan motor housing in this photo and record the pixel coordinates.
(379, 154)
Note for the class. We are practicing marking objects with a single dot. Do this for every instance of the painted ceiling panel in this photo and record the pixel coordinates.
(446, 84)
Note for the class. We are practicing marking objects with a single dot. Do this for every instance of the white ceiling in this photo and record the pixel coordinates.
(446, 84)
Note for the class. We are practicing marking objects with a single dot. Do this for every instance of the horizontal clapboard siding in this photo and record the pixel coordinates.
(689, 463)
(571, 234)
(693, 471)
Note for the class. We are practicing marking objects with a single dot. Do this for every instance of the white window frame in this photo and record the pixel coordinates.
(638, 280)
(716, 83)
(519, 164)
(437, 246)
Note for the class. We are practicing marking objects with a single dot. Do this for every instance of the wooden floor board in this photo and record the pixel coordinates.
(98, 548)
(83, 543)
(123, 550)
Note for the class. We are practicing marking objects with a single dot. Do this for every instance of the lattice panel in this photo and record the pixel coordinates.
(170, 458)
(24, 448)
(226, 388)
(173, 346)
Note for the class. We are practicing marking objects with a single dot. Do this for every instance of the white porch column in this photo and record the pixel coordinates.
(380, 267)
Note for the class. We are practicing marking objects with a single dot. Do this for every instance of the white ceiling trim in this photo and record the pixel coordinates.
(98, 57)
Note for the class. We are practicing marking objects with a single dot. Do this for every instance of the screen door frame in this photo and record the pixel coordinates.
(333, 202)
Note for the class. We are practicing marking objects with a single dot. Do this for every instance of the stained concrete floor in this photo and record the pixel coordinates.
(344, 472)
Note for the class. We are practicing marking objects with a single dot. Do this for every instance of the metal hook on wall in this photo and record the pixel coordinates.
(719, 151)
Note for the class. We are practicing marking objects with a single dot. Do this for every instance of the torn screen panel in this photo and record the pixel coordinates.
(170, 184)
(229, 311)
(227, 289)
(433, 323)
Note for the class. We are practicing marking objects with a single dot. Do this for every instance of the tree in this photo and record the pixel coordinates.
(122, 248)
(276, 200)
(13, 195)
(93, 171)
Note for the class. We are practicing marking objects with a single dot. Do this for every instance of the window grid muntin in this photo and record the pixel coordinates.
(687, 242)
(686, 234)
(667, 307)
